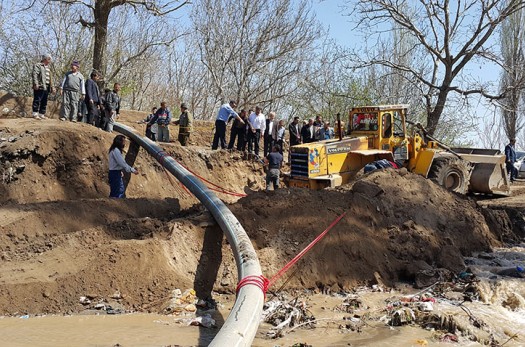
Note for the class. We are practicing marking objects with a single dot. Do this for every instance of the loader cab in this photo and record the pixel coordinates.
(384, 126)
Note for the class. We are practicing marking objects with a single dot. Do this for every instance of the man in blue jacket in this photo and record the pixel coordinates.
(510, 159)
(162, 118)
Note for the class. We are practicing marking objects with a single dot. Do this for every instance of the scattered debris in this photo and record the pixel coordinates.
(282, 315)
(204, 321)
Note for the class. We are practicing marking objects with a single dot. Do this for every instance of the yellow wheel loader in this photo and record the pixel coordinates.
(380, 132)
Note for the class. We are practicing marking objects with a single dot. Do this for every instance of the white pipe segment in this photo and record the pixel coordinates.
(242, 323)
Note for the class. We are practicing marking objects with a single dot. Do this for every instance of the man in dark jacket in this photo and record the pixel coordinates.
(238, 131)
(308, 132)
(268, 132)
(92, 99)
(295, 135)
(112, 106)
(510, 159)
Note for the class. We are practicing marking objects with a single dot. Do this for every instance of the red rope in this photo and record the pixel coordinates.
(304, 251)
(161, 158)
(259, 281)
(217, 188)
(263, 283)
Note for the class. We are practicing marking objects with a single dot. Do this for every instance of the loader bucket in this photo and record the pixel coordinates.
(489, 173)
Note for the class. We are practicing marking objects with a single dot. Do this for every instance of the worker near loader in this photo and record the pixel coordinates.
(185, 123)
(510, 159)
(274, 161)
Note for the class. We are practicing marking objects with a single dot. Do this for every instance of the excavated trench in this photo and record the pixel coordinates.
(61, 239)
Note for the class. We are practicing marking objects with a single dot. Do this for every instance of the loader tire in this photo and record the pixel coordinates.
(453, 174)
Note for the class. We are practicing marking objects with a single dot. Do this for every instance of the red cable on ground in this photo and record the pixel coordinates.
(263, 283)
(222, 190)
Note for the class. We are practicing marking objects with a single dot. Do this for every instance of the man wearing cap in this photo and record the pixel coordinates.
(185, 123)
(42, 86)
(226, 112)
(73, 89)
(92, 98)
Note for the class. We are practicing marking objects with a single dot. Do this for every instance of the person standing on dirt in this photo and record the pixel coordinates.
(308, 132)
(258, 127)
(42, 86)
(112, 106)
(116, 165)
(295, 136)
(274, 160)
(271, 124)
(73, 89)
(162, 119)
(278, 135)
(226, 112)
(185, 123)
(238, 131)
(510, 159)
(151, 129)
(92, 98)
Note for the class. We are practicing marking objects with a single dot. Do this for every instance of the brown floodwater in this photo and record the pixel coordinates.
(160, 330)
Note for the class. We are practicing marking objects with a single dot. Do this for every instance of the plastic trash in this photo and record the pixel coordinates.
(24, 316)
(205, 321)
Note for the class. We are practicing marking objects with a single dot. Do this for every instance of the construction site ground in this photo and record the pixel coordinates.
(70, 255)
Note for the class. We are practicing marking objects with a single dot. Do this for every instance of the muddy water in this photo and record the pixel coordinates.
(156, 330)
(159, 330)
(499, 307)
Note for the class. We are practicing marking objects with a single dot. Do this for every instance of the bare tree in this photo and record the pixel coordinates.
(100, 11)
(512, 83)
(449, 34)
(254, 50)
(52, 31)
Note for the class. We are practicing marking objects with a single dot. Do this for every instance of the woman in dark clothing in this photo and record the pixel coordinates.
(116, 165)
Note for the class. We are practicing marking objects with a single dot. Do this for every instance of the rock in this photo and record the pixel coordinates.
(190, 308)
(367, 188)
(514, 302)
(454, 296)
(426, 278)
(116, 295)
(11, 139)
(91, 296)
(46, 294)
(450, 258)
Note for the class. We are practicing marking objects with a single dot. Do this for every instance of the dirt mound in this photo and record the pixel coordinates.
(396, 225)
(53, 160)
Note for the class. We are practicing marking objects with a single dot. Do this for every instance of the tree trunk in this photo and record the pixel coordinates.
(101, 16)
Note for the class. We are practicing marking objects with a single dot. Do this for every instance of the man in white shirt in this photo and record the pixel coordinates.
(258, 125)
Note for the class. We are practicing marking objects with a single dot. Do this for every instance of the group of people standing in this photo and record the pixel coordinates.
(247, 129)
(159, 120)
(78, 94)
